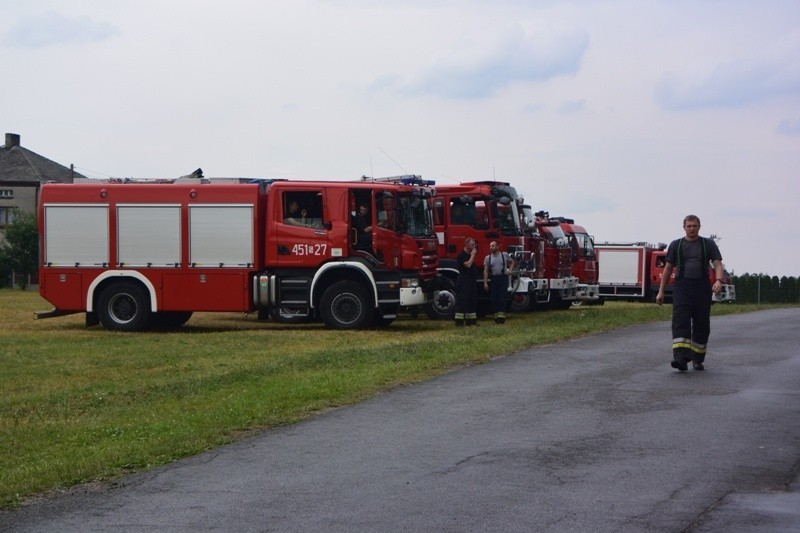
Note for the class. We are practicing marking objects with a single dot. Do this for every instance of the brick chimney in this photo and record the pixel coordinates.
(12, 140)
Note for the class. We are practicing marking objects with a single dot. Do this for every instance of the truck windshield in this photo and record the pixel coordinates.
(507, 191)
(585, 244)
(527, 218)
(508, 219)
(555, 235)
(416, 216)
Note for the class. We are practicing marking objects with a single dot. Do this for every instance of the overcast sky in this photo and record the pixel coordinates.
(623, 114)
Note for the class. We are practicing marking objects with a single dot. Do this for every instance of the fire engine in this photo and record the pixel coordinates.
(633, 271)
(584, 260)
(139, 255)
(555, 286)
(485, 211)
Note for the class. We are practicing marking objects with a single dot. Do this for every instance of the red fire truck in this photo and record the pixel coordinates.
(139, 255)
(554, 285)
(584, 260)
(485, 211)
(633, 271)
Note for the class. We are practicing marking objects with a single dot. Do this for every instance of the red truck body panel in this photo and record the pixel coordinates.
(115, 237)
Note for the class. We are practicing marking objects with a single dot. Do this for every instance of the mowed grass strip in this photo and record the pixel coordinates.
(81, 405)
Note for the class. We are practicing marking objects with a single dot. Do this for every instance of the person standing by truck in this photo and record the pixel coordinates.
(689, 256)
(363, 227)
(467, 285)
(496, 267)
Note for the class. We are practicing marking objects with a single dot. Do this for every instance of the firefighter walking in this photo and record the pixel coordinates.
(689, 256)
(496, 267)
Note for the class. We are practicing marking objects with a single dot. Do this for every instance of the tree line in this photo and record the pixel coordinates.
(766, 289)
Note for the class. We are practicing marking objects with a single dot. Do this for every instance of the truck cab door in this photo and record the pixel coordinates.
(301, 223)
(386, 229)
(468, 217)
(373, 225)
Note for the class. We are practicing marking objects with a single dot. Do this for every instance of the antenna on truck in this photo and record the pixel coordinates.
(393, 161)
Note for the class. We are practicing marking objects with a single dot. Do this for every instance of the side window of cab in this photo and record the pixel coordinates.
(303, 209)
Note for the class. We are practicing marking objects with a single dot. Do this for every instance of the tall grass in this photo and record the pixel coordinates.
(82, 404)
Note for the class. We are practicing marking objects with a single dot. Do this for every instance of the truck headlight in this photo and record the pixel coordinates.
(409, 283)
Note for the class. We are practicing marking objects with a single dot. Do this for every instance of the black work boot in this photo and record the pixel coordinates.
(681, 366)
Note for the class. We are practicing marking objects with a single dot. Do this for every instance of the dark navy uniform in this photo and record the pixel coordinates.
(466, 291)
(691, 297)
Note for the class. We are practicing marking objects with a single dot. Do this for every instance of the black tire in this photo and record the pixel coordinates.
(167, 320)
(124, 306)
(520, 302)
(442, 305)
(285, 315)
(344, 305)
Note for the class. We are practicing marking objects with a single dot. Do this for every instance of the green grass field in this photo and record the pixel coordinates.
(80, 405)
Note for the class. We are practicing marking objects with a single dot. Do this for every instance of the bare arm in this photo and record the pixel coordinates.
(471, 261)
(718, 272)
(664, 279)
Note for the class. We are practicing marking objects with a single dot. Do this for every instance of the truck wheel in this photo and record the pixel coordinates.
(124, 306)
(442, 306)
(344, 306)
(520, 302)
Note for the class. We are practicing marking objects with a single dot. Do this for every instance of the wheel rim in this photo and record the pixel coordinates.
(346, 308)
(443, 301)
(520, 302)
(122, 308)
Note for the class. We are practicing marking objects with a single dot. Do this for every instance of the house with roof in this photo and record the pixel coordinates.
(22, 173)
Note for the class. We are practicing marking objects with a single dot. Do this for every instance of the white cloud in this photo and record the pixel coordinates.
(51, 28)
(734, 83)
(482, 63)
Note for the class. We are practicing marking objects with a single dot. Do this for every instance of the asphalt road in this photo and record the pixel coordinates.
(595, 434)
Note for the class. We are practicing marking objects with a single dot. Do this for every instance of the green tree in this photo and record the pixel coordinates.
(19, 250)
(789, 290)
(5, 273)
(745, 288)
